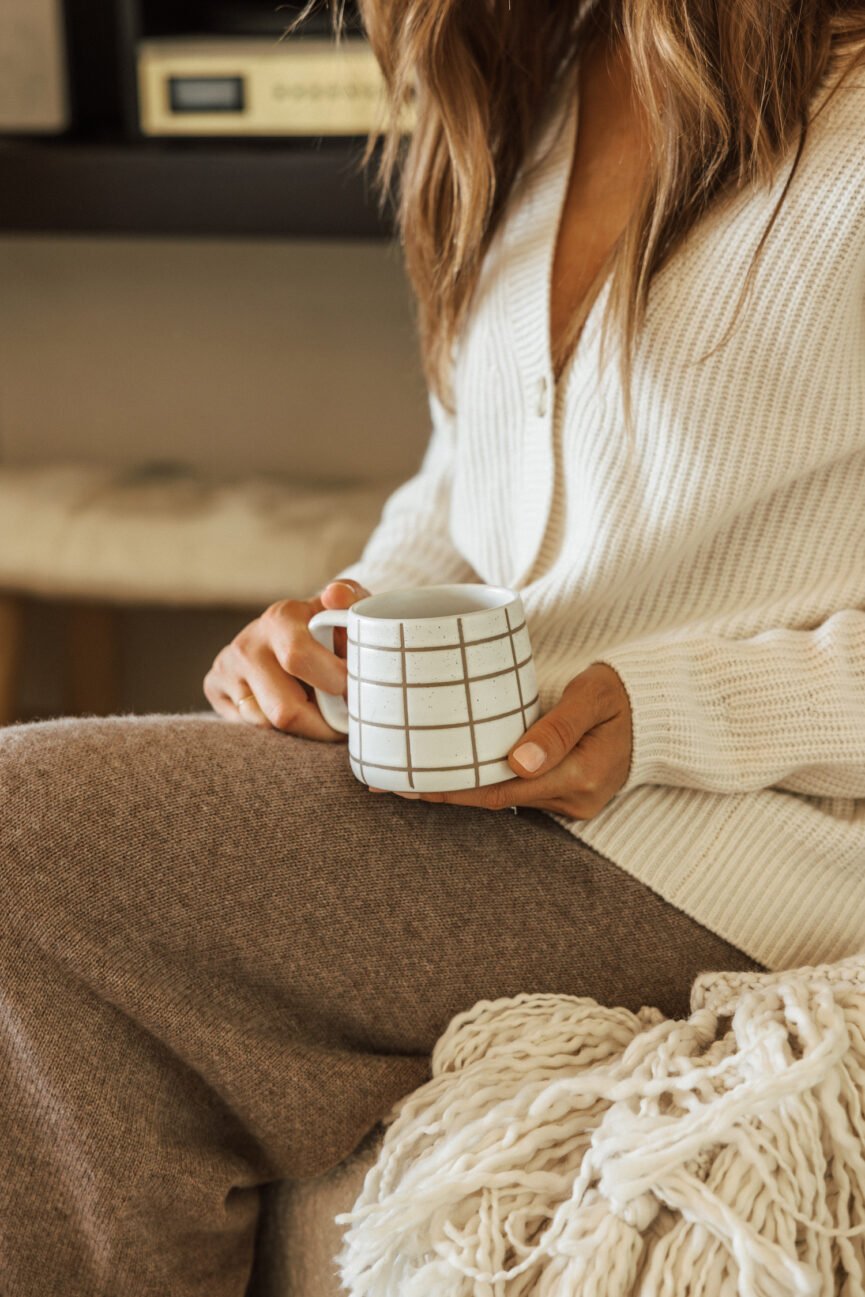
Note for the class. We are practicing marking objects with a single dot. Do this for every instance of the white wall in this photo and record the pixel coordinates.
(231, 356)
(289, 356)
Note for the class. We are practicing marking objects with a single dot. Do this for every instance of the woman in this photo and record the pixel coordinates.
(224, 960)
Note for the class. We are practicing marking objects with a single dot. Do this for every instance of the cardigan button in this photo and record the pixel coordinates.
(542, 402)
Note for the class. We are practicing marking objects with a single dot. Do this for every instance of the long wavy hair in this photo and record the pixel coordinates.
(725, 86)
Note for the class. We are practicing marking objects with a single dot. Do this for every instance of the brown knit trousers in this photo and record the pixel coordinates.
(222, 960)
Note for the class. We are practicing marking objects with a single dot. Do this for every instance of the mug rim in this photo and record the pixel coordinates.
(513, 595)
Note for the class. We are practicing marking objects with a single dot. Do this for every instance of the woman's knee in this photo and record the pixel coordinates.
(79, 797)
(145, 823)
(61, 778)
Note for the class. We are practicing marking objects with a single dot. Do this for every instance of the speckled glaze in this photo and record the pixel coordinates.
(441, 684)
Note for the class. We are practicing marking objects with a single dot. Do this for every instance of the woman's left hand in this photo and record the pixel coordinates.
(581, 747)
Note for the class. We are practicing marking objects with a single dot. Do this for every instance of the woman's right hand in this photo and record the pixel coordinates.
(265, 676)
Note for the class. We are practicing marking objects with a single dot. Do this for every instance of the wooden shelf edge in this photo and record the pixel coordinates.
(215, 189)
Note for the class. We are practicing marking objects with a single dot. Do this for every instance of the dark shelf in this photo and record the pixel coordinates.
(104, 177)
(218, 188)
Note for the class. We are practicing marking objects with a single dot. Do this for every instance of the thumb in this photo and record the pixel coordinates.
(551, 738)
(342, 593)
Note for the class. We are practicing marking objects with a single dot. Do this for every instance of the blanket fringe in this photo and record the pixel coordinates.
(562, 1147)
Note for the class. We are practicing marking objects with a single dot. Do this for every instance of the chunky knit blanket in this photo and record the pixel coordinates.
(562, 1148)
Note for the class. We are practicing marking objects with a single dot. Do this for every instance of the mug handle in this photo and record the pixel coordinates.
(332, 706)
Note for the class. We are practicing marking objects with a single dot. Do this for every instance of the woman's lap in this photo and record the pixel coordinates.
(233, 924)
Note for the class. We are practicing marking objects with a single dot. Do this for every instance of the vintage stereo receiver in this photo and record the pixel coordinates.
(227, 85)
(33, 82)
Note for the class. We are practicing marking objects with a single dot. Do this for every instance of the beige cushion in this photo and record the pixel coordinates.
(162, 534)
(299, 1238)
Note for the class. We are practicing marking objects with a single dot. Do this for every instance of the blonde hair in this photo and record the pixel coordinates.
(725, 86)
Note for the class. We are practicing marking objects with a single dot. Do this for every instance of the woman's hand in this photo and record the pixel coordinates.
(266, 674)
(573, 760)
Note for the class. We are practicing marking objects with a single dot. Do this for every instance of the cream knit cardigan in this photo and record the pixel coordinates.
(722, 572)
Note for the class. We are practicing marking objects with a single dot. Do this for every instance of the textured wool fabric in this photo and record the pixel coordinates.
(563, 1147)
(222, 960)
(718, 568)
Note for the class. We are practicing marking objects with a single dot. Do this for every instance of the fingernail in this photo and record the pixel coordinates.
(345, 585)
(530, 755)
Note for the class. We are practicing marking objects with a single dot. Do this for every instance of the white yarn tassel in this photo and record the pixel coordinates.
(564, 1148)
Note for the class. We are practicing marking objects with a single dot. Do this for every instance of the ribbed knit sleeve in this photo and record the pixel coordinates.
(783, 709)
(411, 543)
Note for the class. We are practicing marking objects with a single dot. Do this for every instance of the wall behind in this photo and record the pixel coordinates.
(232, 357)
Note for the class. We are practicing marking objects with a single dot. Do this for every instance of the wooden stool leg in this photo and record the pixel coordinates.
(11, 635)
(93, 662)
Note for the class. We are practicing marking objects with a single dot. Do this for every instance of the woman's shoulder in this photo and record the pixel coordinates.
(842, 93)
(835, 143)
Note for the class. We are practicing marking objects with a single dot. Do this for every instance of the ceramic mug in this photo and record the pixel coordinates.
(441, 684)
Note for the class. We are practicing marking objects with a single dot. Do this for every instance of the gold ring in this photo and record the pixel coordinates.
(247, 698)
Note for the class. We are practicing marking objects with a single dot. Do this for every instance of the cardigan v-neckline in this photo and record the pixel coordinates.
(569, 123)
(532, 234)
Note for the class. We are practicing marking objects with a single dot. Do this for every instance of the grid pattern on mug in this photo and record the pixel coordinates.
(402, 705)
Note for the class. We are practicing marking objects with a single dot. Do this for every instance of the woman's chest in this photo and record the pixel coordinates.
(605, 174)
(721, 424)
